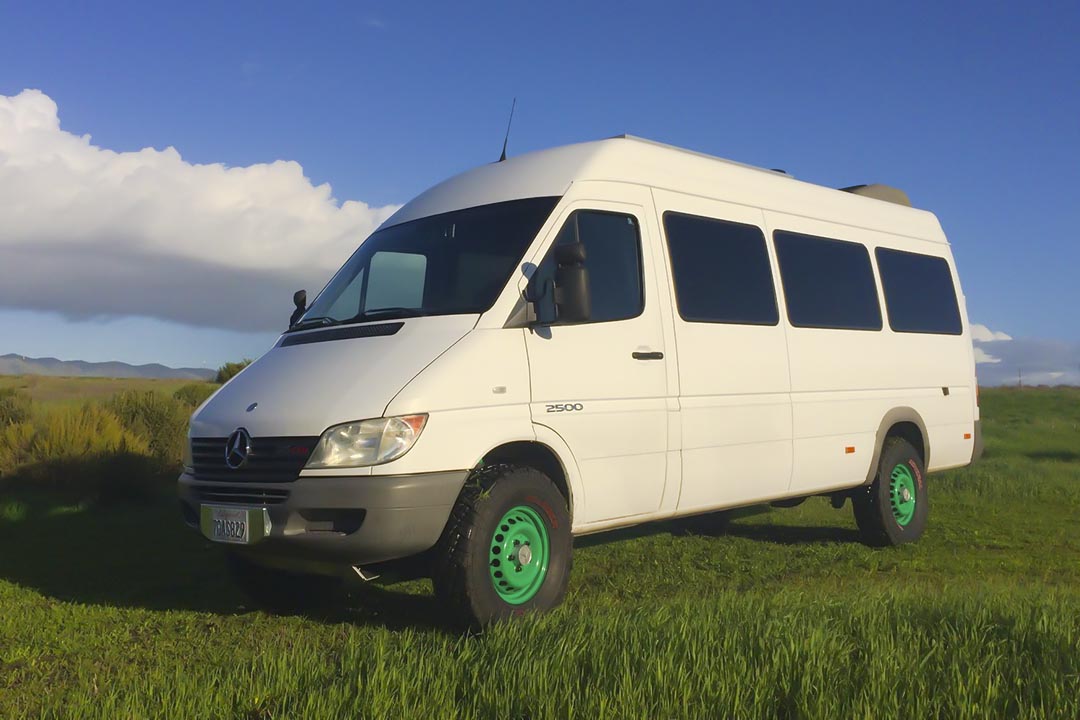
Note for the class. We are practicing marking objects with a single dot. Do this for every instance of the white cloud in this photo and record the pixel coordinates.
(1035, 361)
(981, 333)
(89, 232)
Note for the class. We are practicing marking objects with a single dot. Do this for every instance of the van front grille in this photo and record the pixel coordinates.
(272, 459)
(240, 495)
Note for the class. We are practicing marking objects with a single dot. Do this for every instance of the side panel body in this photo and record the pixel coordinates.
(734, 392)
(844, 382)
(610, 408)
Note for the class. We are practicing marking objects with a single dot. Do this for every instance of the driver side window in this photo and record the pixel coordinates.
(613, 259)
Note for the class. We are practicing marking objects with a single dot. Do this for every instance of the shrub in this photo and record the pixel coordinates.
(119, 449)
(15, 439)
(195, 394)
(158, 420)
(83, 432)
(85, 452)
(228, 370)
(15, 407)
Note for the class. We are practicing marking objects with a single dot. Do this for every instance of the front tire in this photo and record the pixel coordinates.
(894, 508)
(507, 548)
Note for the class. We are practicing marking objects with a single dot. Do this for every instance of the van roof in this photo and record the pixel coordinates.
(630, 159)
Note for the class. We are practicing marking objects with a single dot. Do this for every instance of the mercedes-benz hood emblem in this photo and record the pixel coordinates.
(237, 449)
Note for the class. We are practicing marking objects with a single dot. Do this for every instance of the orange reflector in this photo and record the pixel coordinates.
(849, 450)
(967, 436)
(416, 422)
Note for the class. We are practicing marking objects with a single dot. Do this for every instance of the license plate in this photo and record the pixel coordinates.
(236, 525)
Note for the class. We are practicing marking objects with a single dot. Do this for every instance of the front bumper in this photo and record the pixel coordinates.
(337, 520)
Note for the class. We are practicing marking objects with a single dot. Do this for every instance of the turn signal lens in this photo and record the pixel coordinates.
(367, 442)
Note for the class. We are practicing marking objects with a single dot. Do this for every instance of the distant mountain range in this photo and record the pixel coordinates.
(19, 365)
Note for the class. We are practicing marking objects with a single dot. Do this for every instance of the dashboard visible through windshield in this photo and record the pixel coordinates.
(448, 264)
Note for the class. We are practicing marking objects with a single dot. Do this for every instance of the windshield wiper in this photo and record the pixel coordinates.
(388, 313)
(313, 322)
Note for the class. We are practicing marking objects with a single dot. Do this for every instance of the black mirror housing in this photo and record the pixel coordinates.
(299, 299)
(570, 254)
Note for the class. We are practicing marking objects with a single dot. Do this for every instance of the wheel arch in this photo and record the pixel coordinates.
(904, 422)
(541, 456)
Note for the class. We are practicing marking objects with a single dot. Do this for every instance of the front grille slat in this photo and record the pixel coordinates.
(272, 459)
(233, 494)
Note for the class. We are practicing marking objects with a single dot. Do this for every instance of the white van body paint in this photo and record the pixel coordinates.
(731, 415)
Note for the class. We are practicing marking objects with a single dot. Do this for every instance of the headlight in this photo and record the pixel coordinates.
(189, 462)
(366, 442)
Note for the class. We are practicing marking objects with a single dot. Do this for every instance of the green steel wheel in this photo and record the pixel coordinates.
(902, 494)
(519, 555)
(506, 549)
(893, 509)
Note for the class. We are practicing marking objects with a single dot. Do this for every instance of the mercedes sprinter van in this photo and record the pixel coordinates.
(580, 339)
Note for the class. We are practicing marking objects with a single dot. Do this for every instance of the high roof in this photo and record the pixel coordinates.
(636, 160)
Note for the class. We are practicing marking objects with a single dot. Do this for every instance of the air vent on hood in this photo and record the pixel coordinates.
(341, 333)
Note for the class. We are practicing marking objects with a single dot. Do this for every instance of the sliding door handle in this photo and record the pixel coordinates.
(648, 355)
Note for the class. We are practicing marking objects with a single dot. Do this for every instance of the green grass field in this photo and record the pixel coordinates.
(118, 611)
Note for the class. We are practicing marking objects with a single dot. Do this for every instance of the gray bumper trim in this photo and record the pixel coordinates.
(387, 517)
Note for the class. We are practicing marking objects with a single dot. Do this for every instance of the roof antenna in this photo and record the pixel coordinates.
(507, 138)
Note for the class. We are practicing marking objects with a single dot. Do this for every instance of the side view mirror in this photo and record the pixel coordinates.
(299, 299)
(571, 284)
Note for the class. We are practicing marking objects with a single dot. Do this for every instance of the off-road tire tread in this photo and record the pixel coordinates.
(872, 516)
(452, 562)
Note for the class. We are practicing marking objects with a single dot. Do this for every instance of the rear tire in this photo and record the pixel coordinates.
(507, 548)
(279, 591)
(894, 508)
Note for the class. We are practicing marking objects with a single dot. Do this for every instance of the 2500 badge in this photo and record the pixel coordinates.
(565, 407)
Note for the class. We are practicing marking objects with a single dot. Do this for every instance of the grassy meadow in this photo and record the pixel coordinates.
(111, 608)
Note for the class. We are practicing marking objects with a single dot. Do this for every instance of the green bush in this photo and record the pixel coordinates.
(15, 440)
(82, 432)
(158, 420)
(15, 407)
(84, 452)
(195, 394)
(228, 370)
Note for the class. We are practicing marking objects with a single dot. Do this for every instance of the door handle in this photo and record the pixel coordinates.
(648, 355)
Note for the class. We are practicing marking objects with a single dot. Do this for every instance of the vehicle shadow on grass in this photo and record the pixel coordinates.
(141, 555)
(728, 524)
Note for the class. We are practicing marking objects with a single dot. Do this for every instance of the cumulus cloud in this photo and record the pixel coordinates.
(981, 356)
(1035, 361)
(981, 333)
(88, 232)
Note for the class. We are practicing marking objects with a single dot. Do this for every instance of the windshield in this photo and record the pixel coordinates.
(448, 264)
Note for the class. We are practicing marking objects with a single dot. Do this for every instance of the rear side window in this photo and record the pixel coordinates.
(827, 283)
(721, 271)
(613, 258)
(919, 293)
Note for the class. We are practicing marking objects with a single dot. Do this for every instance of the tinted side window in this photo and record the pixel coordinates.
(721, 271)
(827, 283)
(919, 293)
(613, 259)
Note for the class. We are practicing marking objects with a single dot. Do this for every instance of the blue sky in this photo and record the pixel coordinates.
(974, 109)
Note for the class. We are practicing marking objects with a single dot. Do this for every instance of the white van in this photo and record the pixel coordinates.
(580, 339)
